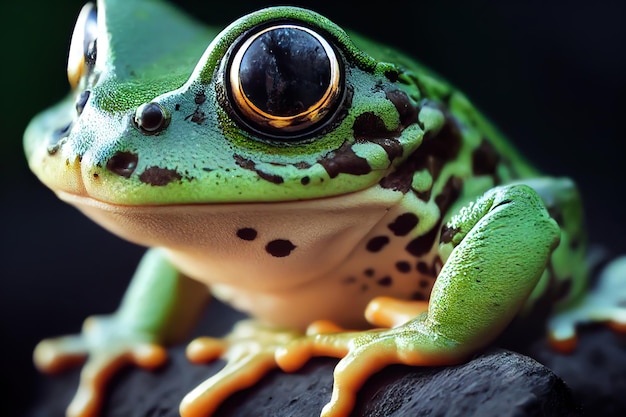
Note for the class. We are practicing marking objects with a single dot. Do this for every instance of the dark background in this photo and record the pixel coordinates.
(550, 74)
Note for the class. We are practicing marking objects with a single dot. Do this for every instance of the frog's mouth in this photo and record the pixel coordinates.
(263, 243)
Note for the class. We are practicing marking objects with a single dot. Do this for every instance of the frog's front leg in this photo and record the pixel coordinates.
(158, 307)
(495, 251)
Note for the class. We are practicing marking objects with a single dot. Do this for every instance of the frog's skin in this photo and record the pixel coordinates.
(390, 195)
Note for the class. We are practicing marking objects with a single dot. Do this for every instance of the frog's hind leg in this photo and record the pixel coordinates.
(564, 284)
(604, 302)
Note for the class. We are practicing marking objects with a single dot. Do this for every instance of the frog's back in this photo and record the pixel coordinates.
(436, 88)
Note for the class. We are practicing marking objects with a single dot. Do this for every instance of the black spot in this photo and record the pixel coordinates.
(424, 283)
(250, 165)
(280, 248)
(376, 244)
(449, 194)
(369, 127)
(392, 75)
(403, 224)
(200, 98)
(197, 117)
(485, 159)
(419, 296)
(305, 180)
(369, 272)
(385, 281)
(247, 233)
(158, 176)
(403, 266)
(406, 110)
(423, 268)
(123, 163)
(423, 244)
(177, 107)
(276, 179)
(447, 234)
(344, 160)
(434, 152)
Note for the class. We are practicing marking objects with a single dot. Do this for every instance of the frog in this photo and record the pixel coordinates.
(343, 195)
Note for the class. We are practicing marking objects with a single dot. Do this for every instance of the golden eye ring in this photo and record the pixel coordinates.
(284, 80)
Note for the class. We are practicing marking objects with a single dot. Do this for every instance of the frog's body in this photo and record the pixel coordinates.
(388, 182)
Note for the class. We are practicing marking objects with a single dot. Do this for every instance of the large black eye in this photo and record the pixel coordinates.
(284, 80)
(82, 56)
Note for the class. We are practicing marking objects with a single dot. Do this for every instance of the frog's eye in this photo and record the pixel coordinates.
(284, 80)
(82, 55)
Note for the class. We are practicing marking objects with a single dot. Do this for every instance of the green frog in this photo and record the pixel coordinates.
(343, 195)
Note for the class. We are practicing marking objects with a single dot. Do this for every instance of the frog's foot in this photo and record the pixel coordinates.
(107, 350)
(249, 352)
(391, 312)
(364, 353)
(383, 312)
(606, 302)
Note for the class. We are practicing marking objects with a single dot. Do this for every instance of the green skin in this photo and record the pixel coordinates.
(407, 191)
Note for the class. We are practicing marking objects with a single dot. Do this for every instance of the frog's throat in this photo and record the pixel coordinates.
(263, 246)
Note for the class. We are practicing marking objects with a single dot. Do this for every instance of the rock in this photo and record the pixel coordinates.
(497, 383)
(595, 371)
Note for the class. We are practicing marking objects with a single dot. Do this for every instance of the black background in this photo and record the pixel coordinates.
(550, 74)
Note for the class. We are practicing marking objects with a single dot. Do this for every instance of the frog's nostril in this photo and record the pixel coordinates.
(123, 163)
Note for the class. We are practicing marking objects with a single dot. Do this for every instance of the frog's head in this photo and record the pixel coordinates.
(281, 105)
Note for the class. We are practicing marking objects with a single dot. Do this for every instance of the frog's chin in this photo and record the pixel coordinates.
(258, 246)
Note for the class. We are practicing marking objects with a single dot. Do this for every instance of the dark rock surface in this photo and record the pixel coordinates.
(496, 383)
(596, 371)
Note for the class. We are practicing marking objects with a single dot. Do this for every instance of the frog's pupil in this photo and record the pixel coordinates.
(285, 71)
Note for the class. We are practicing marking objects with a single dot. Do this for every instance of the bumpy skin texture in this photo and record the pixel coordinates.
(390, 195)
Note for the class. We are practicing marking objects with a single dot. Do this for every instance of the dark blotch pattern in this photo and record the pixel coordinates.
(247, 233)
(447, 234)
(200, 98)
(434, 152)
(403, 266)
(385, 281)
(421, 245)
(344, 160)
(158, 176)
(485, 159)
(369, 127)
(123, 163)
(403, 224)
(376, 244)
(449, 194)
(406, 110)
(280, 248)
(250, 165)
